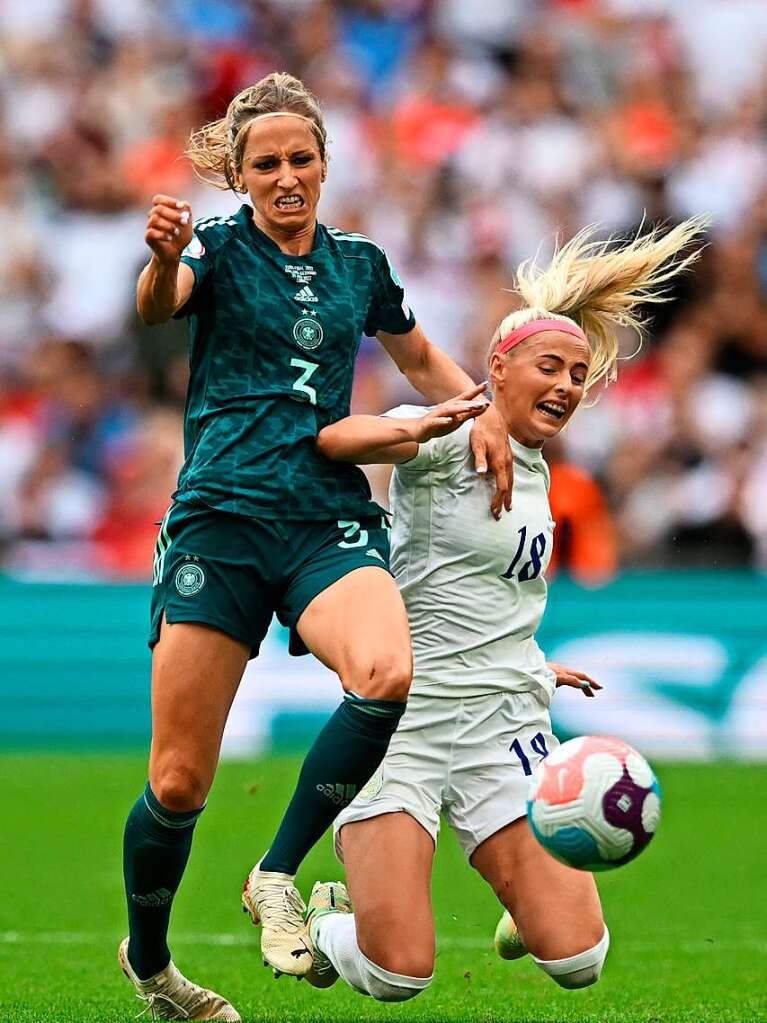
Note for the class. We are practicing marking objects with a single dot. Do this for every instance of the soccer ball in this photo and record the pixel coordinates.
(594, 803)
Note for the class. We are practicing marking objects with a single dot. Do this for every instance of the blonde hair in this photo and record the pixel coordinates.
(218, 147)
(598, 285)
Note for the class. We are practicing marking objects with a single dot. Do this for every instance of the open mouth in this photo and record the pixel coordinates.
(553, 410)
(289, 202)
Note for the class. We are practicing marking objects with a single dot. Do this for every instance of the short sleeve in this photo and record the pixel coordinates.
(441, 451)
(388, 309)
(199, 261)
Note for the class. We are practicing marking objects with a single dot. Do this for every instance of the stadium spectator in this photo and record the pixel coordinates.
(585, 539)
(461, 137)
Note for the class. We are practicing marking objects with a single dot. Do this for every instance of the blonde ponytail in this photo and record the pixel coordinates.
(217, 148)
(208, 151)
(598, 285)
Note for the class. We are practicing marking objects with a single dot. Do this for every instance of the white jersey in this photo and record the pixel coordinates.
(474, 587)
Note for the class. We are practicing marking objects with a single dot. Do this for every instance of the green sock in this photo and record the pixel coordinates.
(344, 756)
(156, 848)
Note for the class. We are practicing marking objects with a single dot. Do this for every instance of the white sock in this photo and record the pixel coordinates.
(336, 936)
(579, 970)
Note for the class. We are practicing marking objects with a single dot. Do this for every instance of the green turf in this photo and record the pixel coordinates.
(687, 919)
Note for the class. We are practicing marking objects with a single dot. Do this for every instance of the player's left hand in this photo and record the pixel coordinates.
(449, 415)
(492, 454)
(576, 679)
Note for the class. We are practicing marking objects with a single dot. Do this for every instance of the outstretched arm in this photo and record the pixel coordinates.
(383, 439)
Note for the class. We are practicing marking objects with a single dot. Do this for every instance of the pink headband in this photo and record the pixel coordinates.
(537, 327)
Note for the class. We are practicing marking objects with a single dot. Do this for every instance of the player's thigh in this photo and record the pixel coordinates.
(556, 908)
(196, 670)
(358, 627)
(388, 862)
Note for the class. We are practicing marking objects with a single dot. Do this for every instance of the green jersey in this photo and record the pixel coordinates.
(273, 339)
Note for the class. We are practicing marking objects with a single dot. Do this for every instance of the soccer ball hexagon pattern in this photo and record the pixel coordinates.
(594, 803)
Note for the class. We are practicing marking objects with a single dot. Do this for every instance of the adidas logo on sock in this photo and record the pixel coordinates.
(159, 898)
(338, 794)
(305, 295)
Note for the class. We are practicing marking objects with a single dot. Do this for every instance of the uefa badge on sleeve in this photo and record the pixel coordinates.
(195, 249)
(189, 579)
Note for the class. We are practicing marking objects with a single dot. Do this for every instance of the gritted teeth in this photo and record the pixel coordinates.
(287, 201)
(554, 409)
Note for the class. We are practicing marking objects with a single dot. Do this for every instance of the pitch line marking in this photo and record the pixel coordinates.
(239, 940)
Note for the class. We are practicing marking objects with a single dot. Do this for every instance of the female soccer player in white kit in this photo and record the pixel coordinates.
(477, 722)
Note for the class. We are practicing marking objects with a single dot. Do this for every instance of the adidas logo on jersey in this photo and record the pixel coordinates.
(373, 553)
(305, 295)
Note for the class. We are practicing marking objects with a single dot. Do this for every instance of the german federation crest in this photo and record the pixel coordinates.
(308, 333)
(190, 579)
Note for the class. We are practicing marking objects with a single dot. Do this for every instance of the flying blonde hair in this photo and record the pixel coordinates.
(217, 148)
(598, 285)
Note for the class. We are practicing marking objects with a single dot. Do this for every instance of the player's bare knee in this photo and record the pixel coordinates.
(580, 969)
(392, 943)
(407, 963)
(179, 787)
(385, 677)
(564, 944)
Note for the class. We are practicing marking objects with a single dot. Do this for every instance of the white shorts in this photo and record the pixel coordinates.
(470, 758)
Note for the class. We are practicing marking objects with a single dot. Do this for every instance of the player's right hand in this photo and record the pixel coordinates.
(575, 679)
(449, 415)
(168, 227)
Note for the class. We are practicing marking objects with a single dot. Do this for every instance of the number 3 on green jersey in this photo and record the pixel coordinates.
(302, 383)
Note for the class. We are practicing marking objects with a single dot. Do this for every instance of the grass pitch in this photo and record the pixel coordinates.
(687, 919)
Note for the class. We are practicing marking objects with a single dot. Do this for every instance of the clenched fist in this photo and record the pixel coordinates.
(168, 227)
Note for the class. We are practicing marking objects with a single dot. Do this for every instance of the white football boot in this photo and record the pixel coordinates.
(169, 995)
(274, 902)
(327, 897)
(508, 941)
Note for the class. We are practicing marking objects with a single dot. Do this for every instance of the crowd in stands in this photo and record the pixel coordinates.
(465, 137)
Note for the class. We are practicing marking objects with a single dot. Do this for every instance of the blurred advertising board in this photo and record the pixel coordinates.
(682, 657)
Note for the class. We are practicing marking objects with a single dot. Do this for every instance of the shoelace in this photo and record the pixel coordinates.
(279, 907)
(151, 999)
(322, 964)
(149, 1007)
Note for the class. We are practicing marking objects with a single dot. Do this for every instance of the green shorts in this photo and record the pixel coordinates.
(234, 573)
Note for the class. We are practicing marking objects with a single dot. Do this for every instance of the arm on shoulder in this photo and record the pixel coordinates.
(369, 440)
(395, 437)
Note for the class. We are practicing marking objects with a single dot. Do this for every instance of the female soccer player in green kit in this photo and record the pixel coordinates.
(261, 522)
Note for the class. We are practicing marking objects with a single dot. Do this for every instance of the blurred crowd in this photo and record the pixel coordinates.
(465, 137)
